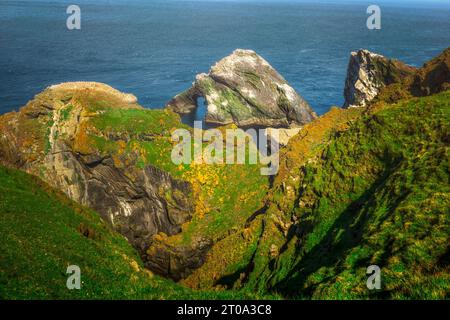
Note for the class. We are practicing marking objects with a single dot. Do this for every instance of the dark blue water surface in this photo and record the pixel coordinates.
(154, 49)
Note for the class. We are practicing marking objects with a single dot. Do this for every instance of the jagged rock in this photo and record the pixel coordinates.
(244, 89)
(433, 77)
(48, 138)
(176, 262)
(368, 73)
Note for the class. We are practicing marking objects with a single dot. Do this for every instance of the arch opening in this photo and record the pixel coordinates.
(198, 113)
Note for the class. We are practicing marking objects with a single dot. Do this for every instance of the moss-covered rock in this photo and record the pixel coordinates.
(244, 89)
(88, 139)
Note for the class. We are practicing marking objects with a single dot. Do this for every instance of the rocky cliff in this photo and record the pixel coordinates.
(433, 77)
(368, 73)
(105, 151)
(244, 89)
(63, 136)
(356, 187)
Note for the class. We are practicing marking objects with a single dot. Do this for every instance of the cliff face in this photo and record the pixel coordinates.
(374, 192)
(356, 187)
(433, 77)
(60, 136)
(368, 73)
(244, 89)
(43, 229)
(105, 151)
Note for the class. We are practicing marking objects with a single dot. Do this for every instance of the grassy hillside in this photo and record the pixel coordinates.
(43, 232)
(376, 193)
(225, 195)
(356, 187)
(96, 121)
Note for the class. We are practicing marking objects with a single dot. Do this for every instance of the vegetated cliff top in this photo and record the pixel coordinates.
(433, 77)
(94, 86)
(376, 193)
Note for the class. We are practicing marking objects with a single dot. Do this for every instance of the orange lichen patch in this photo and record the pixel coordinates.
(121, 147)
(6, 119)
(82, 142)
(22, 138)
(204, 179)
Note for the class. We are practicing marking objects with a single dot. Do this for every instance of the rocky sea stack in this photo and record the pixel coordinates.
(245, 89)
(368, 73)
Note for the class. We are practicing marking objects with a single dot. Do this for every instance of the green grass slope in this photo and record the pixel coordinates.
(376, 194)
(43, 232)
(95, 119)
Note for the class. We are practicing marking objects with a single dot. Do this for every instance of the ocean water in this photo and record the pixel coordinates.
(154, 49)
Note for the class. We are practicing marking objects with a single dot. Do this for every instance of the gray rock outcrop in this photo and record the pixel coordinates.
(368, 73)
(245, 89)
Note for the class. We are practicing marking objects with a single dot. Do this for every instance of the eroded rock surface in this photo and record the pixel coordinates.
(245, 89)
(176, 261)
(433, 77)
(57, 136)
(368, 73)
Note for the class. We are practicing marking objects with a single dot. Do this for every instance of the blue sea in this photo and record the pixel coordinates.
(154, 49)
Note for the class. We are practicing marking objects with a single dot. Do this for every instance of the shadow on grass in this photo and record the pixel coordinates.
(346, 233)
